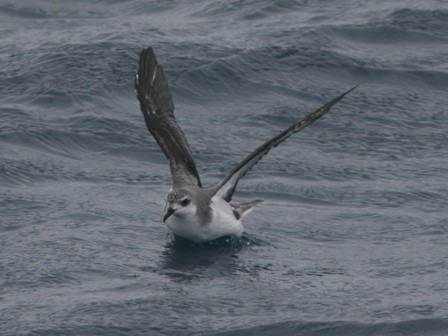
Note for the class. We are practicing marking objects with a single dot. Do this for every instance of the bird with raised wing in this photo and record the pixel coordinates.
(191, 211)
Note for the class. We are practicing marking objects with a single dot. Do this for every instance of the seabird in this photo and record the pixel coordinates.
(192, 211)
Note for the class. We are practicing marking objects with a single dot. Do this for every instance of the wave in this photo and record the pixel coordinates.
(427, 327)
(430, 327)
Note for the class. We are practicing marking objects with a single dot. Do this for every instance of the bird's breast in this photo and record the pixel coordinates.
(222, 222)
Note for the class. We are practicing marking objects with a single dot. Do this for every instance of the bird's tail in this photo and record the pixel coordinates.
(242, 209)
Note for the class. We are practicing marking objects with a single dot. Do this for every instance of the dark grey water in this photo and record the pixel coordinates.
(352, 238)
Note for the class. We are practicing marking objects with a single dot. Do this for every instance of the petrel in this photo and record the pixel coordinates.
(192, 211)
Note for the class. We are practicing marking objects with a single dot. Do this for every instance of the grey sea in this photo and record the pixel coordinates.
(352, 236)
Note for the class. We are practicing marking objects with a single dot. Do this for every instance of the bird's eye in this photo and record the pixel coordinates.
(185, 202)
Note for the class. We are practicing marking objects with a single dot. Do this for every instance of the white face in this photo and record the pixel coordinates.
(181, 209)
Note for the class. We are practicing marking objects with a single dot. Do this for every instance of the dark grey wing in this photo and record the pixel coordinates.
(157, 107)
(227, 187)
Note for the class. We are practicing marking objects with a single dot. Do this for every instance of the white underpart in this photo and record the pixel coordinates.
(184, 222)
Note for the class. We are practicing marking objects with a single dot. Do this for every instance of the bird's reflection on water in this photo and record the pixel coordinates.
(183, 260)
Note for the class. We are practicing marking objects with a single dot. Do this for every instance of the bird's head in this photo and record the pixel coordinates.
(179, 203)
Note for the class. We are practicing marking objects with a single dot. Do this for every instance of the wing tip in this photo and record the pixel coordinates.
(350, 90)
(338, 98)
(151, 85)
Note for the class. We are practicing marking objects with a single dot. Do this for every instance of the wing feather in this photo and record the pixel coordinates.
(226, 188)
(157, 107)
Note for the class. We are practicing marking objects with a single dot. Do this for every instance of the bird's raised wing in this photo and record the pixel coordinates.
(157, 107)
(226, 188)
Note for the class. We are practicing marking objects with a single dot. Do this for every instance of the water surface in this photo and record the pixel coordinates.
(352, 236)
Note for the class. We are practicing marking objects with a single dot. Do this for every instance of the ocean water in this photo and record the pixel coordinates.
(352, 238)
